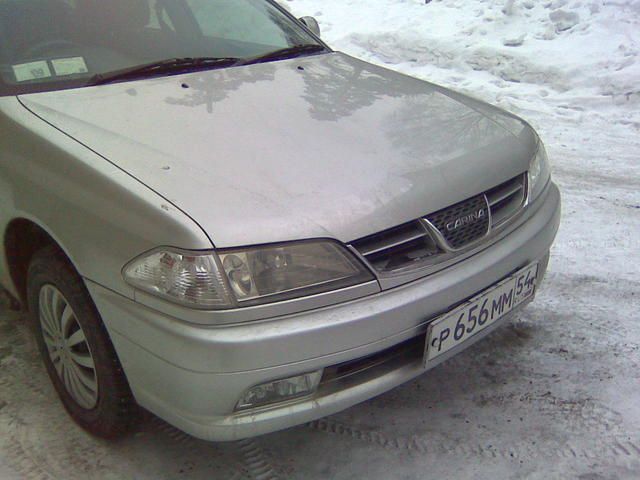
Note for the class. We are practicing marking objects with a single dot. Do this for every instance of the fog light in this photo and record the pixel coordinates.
(280, 390)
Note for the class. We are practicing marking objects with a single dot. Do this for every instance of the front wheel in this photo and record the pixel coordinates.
(76, 348)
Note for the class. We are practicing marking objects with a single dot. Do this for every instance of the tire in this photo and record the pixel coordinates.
(76, 349)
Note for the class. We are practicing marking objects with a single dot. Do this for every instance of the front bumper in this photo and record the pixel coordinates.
(193, 375)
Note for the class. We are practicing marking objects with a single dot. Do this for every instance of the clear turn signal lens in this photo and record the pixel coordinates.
(189, 278)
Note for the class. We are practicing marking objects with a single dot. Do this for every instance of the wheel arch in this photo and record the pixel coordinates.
(24, 237)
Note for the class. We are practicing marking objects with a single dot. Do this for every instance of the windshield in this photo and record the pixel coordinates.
(56, 44)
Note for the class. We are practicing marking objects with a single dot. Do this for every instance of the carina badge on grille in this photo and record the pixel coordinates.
(461, 224)
(465, 220)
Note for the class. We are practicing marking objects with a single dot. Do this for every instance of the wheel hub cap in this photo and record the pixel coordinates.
(67, 347)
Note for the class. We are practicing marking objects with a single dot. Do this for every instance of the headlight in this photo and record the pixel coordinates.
(539, 172)
(231, 278)
(278, 272)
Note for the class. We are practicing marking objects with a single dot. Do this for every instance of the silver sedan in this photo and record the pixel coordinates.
(210, 214)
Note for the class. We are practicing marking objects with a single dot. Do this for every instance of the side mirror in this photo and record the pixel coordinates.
(312, 24)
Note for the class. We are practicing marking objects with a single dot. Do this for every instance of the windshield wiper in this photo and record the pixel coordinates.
(162, 67)
(180, 65)
(283, 53)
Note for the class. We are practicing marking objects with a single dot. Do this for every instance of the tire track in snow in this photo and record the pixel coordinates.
(24, 376)
(177, 436)
(20, 461)
(15, 455)
(46, 453)
(612, 449)
(256, 461)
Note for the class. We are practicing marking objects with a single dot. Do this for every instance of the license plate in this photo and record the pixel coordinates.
(480, 312)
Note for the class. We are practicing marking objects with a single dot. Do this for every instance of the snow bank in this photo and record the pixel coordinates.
(552, 49)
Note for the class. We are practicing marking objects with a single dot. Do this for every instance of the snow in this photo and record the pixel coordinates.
(553, 395)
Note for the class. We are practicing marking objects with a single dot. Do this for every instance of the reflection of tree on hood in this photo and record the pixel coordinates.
(210, 87)
(336, 88)
(448, 126)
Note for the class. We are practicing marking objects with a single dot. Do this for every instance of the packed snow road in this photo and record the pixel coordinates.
(553, 394)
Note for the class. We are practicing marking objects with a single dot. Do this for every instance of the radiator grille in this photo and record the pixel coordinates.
(408, 352)
(397, 247)
(412, 244)
(462, 223)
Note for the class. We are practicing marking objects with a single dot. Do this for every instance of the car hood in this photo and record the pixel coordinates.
(322, 146)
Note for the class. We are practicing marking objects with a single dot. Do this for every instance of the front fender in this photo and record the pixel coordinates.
(101, 216)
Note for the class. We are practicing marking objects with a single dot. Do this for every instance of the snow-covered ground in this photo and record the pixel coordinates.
(553, 395)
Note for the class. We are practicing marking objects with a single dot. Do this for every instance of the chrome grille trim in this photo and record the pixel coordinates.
(379, 245)
(420, 243)
(505, 193)
(507, 199)
(397, 248)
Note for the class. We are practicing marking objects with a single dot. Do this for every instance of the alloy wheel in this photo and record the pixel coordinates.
(67, 347)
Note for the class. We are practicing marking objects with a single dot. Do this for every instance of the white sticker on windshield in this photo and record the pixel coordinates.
(69, 66)
(31, 71)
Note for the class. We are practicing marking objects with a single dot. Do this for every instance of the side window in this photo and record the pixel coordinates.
(241, 20)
